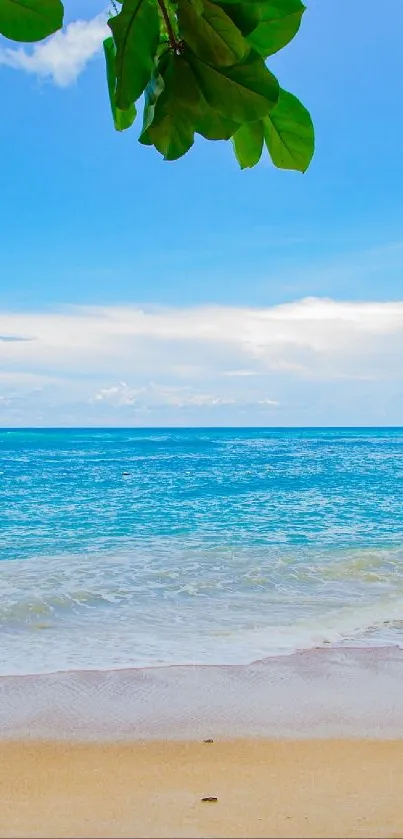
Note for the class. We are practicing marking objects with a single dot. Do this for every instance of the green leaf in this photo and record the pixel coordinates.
(198, 6)
(213, 126)
(248, 144)
(243, 93)
(30, 20)
(246, 16)
(205, 121)
(121, 119)
(268, 26)
(211, 35)
(152, 92)
(289, 134)
(172, 127)
(136, 33)
(280, 21)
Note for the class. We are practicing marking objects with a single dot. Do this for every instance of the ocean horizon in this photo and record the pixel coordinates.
(137, 547)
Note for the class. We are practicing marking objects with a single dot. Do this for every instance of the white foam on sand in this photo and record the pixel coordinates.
(320, 693)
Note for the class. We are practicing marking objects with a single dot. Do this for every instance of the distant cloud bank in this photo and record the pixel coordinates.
(312, 361)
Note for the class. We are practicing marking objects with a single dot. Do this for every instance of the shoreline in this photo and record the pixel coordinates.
(278, 656)
(327, 692)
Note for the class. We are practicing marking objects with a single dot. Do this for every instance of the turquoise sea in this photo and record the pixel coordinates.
(124, 548)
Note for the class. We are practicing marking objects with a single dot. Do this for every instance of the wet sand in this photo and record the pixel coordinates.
(316, 694)
(308, 788)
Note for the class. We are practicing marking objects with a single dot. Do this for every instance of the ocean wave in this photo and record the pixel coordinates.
(163, 605)
(57, 606)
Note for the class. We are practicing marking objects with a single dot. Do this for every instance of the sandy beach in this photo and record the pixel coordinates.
(303, 745)
(264, 788)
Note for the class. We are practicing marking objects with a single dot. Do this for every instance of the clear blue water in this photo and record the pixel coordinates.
(135, 547)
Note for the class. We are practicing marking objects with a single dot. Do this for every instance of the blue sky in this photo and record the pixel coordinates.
(92, 221)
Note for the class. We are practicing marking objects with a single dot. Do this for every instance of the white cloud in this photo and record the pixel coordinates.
(196, 400)
(64, 55)
(238, 373)
(157, 396)
(120, 394)
(310, 361)
(310, 337)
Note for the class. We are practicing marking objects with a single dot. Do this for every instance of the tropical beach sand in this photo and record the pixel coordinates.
(305, 745)
(323, 788)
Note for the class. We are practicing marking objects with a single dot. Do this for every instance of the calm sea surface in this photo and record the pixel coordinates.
(141, 547)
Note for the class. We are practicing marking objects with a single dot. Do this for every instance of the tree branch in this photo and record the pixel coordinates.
(171, 34)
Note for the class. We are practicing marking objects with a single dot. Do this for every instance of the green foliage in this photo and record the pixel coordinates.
(121, 119)
(248, 144)
(210, 33)
(287, 131)
(200, 66)
(171, 129)
(267, 26)
(289, 134)
(242, 93)
(136, 31)
(279, 21)
(30, 20)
